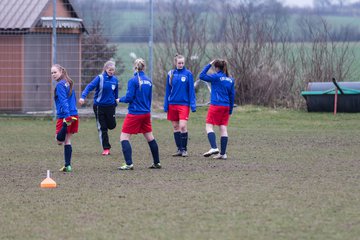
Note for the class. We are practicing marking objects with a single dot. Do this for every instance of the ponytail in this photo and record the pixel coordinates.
(171, 76)
(65, 75)
(139, 80)
(139, 65)
(222, 65)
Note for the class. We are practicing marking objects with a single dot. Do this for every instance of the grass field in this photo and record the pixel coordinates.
(289, 175)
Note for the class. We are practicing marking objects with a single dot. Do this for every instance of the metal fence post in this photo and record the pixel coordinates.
(54, 53)
(151, 16)
(151, 10)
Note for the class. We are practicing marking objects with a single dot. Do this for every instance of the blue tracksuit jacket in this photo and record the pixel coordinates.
(65, 104)
(181, 90)
(107, 90)
(138, 96)
(222, 88)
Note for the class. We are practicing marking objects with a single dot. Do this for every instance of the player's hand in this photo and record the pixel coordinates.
(211, 63)
(69, 120)
(81, 101)
(117, 100)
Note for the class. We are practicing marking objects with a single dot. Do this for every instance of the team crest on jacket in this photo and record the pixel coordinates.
(183, 79)
(113, 87)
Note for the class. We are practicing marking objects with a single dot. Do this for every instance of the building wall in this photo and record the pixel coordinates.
(69, 56)
(25, 62)
(26, 58)
(61, 10)
(37, 79)
(38, 92)
(11, 73)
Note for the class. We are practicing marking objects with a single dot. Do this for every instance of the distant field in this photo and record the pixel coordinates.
(120, 22)
(338, 21)
(136, 23)
(334, 21)
(355, 69)
(124, 51)
(126, 22)
(142, 50)
(289, 175)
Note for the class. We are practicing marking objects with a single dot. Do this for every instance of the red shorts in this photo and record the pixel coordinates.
(218, 115)
(178, 112)
(134, 124)
(73, 128)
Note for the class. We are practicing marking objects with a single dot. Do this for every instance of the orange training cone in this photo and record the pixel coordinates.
(48, 182)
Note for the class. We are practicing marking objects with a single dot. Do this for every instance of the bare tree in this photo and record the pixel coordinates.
(96, 49)
(269, 69)
(322, 3)
(182, 30)
(256, 46)
(323, 58)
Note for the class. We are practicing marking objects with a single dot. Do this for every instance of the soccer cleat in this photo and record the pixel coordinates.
(211, 152)
(177, 154)
(155, 166)
(66, 169)
(184, 153)
(126, 167)
(106, 152)
(219, 156)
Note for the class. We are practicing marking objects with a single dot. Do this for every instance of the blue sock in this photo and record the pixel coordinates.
(184, 140)
(177, 138)
(154, 150)
(212, 139)
(67, 154)
(127, 151)
(62, 133)
(223, 141)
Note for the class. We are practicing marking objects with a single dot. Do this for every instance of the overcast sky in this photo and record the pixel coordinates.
(303, 3)
(300, 3)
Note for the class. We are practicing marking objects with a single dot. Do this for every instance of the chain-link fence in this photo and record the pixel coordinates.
(268, 59)
(81, 36)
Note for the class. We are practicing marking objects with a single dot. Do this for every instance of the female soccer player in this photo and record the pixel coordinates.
(67, 115)
(221, 105)
(106, 93)
(138, 96)
(179, 98)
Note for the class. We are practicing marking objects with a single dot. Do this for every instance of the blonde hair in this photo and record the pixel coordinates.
(108, 64)
(139, 65)
(65, 75)
(222, 65)
(176, 58)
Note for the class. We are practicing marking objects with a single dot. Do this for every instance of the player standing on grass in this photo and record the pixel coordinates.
(179, 98)
(106, 93)
(67, 115)
(138, 119)
(221, 105)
